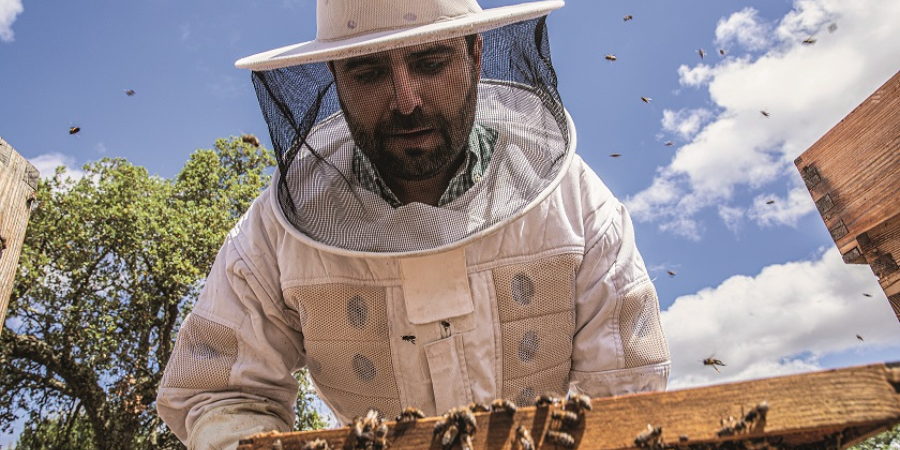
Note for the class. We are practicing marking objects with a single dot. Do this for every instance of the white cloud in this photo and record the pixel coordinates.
(732, 217)
(806, 89)
(770, 210)
(9, 9)
(743, 28)
(46, 164)
(695, 76)
(685, 122)
(783, 320)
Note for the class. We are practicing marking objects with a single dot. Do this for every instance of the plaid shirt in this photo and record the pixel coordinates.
(480, 150)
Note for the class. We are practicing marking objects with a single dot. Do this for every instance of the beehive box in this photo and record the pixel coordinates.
(853, 175)
(828, 410)
(18, 180)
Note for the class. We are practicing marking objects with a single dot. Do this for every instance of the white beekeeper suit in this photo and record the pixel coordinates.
(527, 282)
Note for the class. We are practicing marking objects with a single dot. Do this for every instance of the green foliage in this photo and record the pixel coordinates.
(889, 439)
(111, 265)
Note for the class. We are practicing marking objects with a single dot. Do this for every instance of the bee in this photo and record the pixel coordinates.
(669, 143)
(832, 28)
(713, 362)
(627, 18)
(757, 413)
(740, 426)
(770, 202)
(524, 438)
(318, 444)
(702, 53)
(764, 113)
(578, 403)
(649, 438)
(671, 273)
(568, 419)
(74, 130)
(610, 57)
(809, 41)
(726, 430)
(646, 99)
(866, 295)
(277, 445)
(129, 92)
(380, 442)
(410, 414)
(479, 407)
(503, 405)
(561, 439)
(441, 425)
(449, 436)
(722, 52)
(546, 400)
(410, 339)
(466, 442)
(250, 139)
(615, 155)
(358, 431)
(683, 438)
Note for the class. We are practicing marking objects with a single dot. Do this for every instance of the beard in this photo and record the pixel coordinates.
(416, 163)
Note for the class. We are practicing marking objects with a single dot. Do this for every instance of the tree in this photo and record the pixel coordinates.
(111, 265)
(886, 440)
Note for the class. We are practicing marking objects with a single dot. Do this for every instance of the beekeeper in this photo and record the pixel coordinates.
(430, 238)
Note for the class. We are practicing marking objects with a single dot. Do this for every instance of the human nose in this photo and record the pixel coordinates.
(406, 93)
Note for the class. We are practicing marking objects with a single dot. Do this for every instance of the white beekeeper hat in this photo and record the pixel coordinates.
(347, 28)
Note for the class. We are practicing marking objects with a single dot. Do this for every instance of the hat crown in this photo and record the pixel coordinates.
(343, 19)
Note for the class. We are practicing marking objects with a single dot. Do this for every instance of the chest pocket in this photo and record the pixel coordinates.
(536, 307)
(348, 354)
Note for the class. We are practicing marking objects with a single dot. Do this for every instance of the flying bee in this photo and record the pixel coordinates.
(568, 419)
(250, 139)
(546, 400)
(669, 143)
(615, 155)
(318, 444)
(713, 362)
(702, 53)
(671, 273)
(770, 202)
(832, 28)
(503, 405)
(410, 339)
(809, 41)
(648, 438)
(646, 99)
(860, 337)
(866, 295)
(578, 403)
(610, 57)
(764, 113)
(74, 130)
(129, 92)
(410, 414)
(627, 18)
(479, 407)
(561, 439)
(524, 438)
(722, 52)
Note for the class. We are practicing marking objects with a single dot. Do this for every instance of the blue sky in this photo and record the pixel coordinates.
(761, 286)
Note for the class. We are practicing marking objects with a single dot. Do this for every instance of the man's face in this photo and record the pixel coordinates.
(411, 110)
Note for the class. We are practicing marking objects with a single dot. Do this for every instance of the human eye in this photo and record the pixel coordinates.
(431, 65)
(369, 76)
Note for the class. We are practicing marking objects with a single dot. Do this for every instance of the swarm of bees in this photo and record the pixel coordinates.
(733, 426)
(368, 433)
(318, 444)
(610, 57)
(456, 425)
(650, 438)
(713, 362)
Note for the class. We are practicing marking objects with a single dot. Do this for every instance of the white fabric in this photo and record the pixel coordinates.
(270, 289)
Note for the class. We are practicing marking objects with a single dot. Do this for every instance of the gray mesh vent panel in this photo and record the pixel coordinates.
(362, 368)
(536, 288)
(642, 336)
(354, 313)
(531, 345)
(208, 349)
(554, 381)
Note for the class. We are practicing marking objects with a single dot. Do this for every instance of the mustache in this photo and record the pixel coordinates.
(415, 120)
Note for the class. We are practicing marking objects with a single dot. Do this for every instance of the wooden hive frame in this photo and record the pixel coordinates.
(853, 175)
(828, 410)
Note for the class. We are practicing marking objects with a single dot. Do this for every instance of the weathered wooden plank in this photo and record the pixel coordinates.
(830, 409)
(851, 172)
(18, 180)
(880, 246)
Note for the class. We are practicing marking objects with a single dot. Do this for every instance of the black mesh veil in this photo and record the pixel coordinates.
(324, 183)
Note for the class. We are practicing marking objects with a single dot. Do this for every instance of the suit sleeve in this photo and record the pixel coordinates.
(230, 373)
(619, 345)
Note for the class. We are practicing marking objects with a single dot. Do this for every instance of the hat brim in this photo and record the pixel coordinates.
(318, 51)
